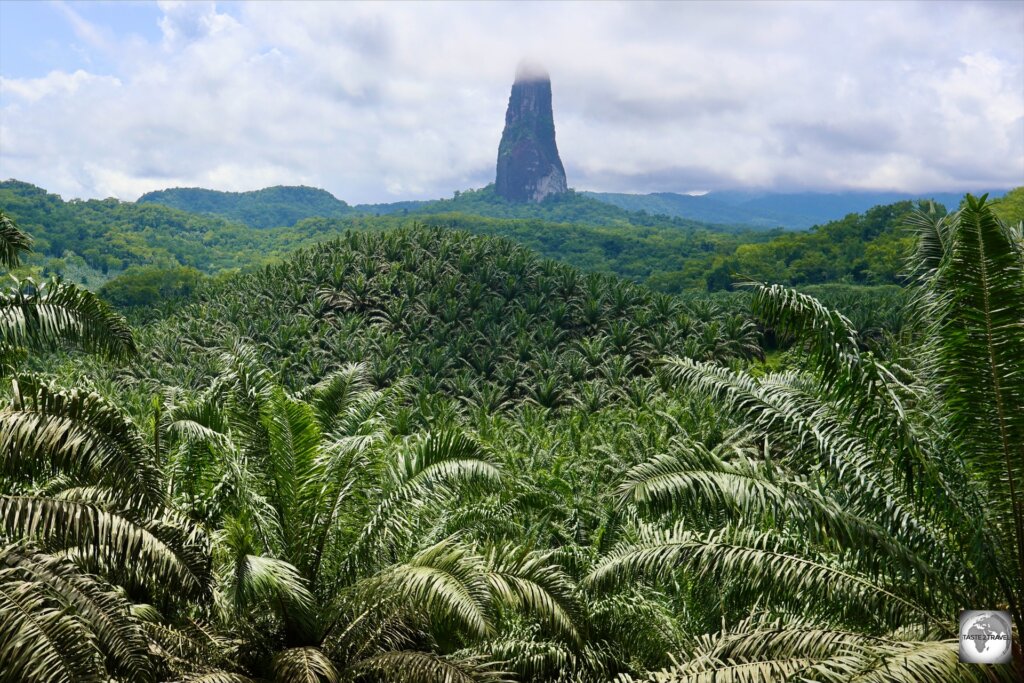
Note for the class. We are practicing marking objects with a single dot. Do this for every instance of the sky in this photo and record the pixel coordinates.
(383, 102)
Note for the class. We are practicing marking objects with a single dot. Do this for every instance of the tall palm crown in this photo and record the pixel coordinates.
(863, 502)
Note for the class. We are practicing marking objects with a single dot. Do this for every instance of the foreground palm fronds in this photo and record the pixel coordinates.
(875, 499)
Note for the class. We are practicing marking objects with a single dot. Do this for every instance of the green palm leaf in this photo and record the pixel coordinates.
(40, 640)
(763, 566)
(46, 431)
(447, 582)
(981, 334)
(433, 468)
(529, 581)
(424, 667)
(48, 315)
(149, 552)
(12, 242)
(303, 665)
(117, 634)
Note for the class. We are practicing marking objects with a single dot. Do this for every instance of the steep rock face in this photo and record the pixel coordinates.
(529, 168)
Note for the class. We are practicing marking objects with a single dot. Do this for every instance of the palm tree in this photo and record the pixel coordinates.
(87, 543)
(331, 552)
(861, 504)
(35, 317)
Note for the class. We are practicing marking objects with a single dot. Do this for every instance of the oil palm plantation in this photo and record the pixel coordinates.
(332, 552)
(87, 542)
(860, 504)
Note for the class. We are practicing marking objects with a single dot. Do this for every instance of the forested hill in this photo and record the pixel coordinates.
(269, 207)
(93, 238)
(869, 248)
(479, 319)
(862, 248)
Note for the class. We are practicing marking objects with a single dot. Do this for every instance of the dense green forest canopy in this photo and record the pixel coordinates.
(266, 208)
(866, 249)
(419, 454)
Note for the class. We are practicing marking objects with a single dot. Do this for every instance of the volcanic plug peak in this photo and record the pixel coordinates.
(529, 168)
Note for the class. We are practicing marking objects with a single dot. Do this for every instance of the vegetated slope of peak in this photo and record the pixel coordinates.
(480, 321)
(270, 207)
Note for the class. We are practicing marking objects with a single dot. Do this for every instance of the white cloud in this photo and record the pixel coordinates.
(385, 101)
(184, 22)
(31, 90)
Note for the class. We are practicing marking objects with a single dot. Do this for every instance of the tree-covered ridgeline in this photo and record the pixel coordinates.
(143, 247)
(94, 241)
(424, 455)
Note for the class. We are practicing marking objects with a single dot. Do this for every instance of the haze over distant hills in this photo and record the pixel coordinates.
(794, 211)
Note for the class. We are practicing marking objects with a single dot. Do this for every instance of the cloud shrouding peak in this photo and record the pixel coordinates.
(378, 102)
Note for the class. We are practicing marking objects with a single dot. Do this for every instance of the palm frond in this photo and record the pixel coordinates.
(981, 332)
(114, 540)
(40, 640)
(46, 431)
(216, 677)
(700, 485)
(118, 635)
(424, 667)
(42, 316)
(529, 581)
(191, 649)
(335, 394)
(303, 665)
(761, 566)
(434, 468)
(829, 335)
(12, 242)
(447, 582)
(781, 408)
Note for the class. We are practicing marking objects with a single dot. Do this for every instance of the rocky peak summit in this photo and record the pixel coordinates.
(529, 168)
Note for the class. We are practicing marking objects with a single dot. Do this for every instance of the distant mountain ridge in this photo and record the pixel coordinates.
(795, 211)
(284, 206)
(92, 241)
(266, 208)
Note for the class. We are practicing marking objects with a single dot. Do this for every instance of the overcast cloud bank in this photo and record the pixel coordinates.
(380, 102)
